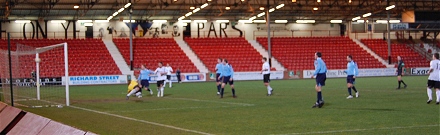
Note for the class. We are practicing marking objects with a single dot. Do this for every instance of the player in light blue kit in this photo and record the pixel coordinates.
(227, 75)
(320, 73)
(218, 67)
(144, 78)
(352, 71)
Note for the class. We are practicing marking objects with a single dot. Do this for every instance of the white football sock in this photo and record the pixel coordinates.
(171, 83)
(161, 91)
(131, 92)
(438, 95)
(269, 90)
(268, 87)
(429, 91)
(158, 92)
(165, 83)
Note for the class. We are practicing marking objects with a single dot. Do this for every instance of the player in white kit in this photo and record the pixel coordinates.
(168, 69)
(161, 77)
(434, 78)
(266, 75)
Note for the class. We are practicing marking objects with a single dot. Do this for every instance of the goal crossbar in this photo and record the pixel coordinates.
(36, 51)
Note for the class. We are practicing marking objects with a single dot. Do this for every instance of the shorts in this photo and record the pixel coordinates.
(437, 85)
(159, 83)
(168, 77)
(433, 84)
(226, 80)
(320, 79)
(350, 79)
(399, 73)
(216, 77)
(145, 83)
(266, 78)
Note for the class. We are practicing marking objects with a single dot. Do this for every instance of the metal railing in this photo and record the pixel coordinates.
(374, 35)
(50, 35)
(421, 51)
(297, 33)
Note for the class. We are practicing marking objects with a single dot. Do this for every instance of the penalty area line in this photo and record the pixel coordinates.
(143, 121)
(356, 130)
(133, 119)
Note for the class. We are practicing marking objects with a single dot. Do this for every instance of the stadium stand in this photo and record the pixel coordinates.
(86, 57)
(409, 56)
(154, 50)
(296, 53)
(240, 54)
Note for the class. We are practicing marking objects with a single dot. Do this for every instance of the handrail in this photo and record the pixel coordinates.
(50, 35)
(296, 33)
(380, 35)
(424, 53)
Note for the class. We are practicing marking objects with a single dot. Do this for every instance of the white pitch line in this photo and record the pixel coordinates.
(356, 130)
(159, 109)
(133, 119)
(143, 121)
(199, 100)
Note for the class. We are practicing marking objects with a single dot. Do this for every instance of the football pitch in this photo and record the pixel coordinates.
(194, 108)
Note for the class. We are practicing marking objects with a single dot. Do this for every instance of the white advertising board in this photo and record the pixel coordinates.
(93, 80)
(362, 72)
(185, 77)
(419, 71)
(257, 75)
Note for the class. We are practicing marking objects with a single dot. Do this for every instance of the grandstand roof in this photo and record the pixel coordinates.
(239, 9)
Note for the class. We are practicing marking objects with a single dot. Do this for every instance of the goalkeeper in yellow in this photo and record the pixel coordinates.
(133, 88)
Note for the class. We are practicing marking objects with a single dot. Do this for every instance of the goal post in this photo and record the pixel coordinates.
(66, 67)
(36, 75)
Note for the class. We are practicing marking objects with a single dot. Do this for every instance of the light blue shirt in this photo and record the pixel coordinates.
(320, 67)
(352, 68)
(227, 70)
(218, 67)
(145, 74)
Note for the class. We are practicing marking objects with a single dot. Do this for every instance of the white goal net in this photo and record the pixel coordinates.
(36, 75)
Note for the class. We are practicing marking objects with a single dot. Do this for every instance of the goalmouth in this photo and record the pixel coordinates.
(35, 76)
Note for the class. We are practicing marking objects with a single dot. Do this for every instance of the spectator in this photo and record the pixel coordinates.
(178, 75)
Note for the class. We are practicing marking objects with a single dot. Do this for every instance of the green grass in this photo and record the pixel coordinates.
(380, 109)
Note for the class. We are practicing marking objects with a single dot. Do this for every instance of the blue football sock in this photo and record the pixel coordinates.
(233, 92)
(354, 89)
(219, 87)
(319, 97)
(349, 91)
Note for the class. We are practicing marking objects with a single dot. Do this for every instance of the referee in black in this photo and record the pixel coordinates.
(400, 72)
(34, 78)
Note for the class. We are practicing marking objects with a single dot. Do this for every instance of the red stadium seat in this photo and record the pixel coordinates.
(85, 54)
(152, 51)
(297, 53)
(410, 57)
(240, 54)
